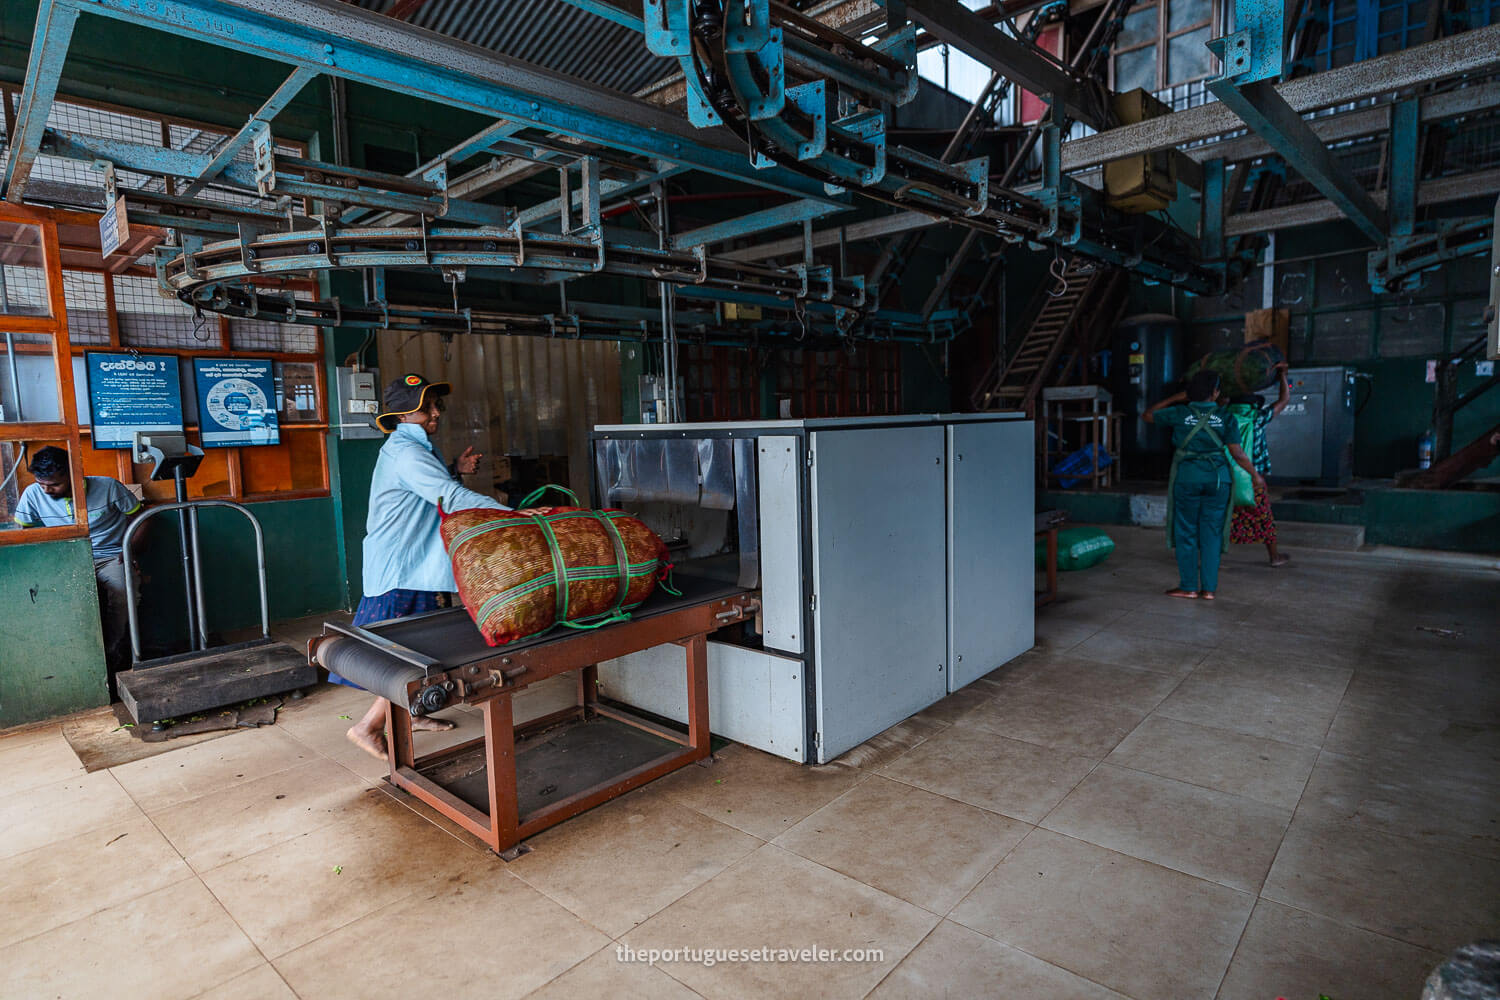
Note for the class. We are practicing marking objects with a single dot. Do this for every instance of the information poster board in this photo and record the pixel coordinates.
(130, 393)
(236, 402)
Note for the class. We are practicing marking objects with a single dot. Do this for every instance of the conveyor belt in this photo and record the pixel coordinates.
(450, 638)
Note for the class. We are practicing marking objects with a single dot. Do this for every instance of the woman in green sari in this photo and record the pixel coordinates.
(1206, 439)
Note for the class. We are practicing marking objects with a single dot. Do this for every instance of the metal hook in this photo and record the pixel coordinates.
(1059, 272)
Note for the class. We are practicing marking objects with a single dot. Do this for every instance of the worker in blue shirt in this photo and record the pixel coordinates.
(405, 563)
(1206, 438)
(48, 502)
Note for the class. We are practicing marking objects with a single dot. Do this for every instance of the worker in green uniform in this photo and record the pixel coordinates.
(1206, 439)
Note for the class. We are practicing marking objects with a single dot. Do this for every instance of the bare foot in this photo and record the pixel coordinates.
(1207, 595)
(1179, 592)
(1281, 561)
(371, 743)
(427, 725)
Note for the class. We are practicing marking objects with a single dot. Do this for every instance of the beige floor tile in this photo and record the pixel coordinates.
(757, 793)
(882, 748)
(1141, 652)
(1291, 953)
(1199, 831)
(750, 906)
(323, 729)
(946, 711)
(69, 879)
(1056, 634)
(179, 775)
(617, 865)
(1395, 886)
(1452, 807)
(1361, 732)
(49, 813)
(174, 942)
(1226, 665)
(1076, 723)
(1266, 712)
(250, 816)
(1207, 626)
(921, 847)
(1108, 683)
(263, 983)
(1098, 609)
(1263, 770)
(35, 758)
(1465, 696)
(606, 974)
(1135, 927)
(482, 934)
(963, 762)
(955, 963)
(305, 887)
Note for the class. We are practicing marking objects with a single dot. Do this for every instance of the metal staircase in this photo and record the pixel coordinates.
(1068, 321)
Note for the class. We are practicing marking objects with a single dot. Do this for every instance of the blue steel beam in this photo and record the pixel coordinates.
(755, 222)
(262, 119)
(1272, 118)
(1251, 61)
(344, 41)
(1405, 166)
(49, 49)
(1213, 210)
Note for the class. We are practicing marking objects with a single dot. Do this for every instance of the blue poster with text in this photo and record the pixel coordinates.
(236, 402)
(130, 393)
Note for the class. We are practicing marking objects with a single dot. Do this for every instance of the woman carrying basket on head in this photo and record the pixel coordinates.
(1257, 525)
(1206, 439)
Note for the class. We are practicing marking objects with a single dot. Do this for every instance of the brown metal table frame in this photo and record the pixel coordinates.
(492, 684)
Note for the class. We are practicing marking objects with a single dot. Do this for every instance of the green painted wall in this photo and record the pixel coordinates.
(1451, 520)
(51, 647)
(303, 569)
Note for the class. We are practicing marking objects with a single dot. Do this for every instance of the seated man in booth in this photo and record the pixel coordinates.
(48, 502)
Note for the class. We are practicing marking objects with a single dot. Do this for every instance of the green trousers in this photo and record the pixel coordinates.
(1200, 513)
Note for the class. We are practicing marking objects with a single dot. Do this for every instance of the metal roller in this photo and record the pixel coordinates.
(379, 673)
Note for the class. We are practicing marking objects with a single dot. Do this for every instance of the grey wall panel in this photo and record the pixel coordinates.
(754, 697)
(879, 570)
(782, 590)
(991, 546)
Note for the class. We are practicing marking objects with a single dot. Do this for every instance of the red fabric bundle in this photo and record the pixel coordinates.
(508, 565)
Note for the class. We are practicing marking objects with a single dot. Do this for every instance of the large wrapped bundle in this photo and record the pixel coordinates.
(508, 566)
(1249, 369)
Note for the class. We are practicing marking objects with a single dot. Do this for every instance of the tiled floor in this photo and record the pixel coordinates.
(1292, 791)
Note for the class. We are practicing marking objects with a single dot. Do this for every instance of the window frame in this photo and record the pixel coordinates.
(55, 326)
(1162, 41)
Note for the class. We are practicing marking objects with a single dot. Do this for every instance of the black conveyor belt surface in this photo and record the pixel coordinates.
(450, 636)
(378, 673)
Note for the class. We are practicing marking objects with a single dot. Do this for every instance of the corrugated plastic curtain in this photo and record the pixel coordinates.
(517, 396)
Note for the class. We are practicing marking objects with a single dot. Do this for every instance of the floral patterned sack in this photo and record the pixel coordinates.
(508, 565)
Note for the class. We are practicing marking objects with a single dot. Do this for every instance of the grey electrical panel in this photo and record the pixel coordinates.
(1312, 440)
(358, 403)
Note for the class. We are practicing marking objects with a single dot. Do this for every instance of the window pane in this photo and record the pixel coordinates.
(1136, 69)
(14, 478)
(28, 379)
(1140, 26)
(23, 273)
(1188, 57)
(88, 317)
(297, 388)
(1186, 13)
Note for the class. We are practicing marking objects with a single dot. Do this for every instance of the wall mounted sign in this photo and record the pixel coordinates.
(236, 402)
(132, 392)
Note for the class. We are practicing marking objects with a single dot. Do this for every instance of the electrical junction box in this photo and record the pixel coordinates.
(358, 403)
(1148, 181)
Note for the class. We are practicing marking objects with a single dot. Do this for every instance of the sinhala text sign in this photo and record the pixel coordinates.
(130, 393)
